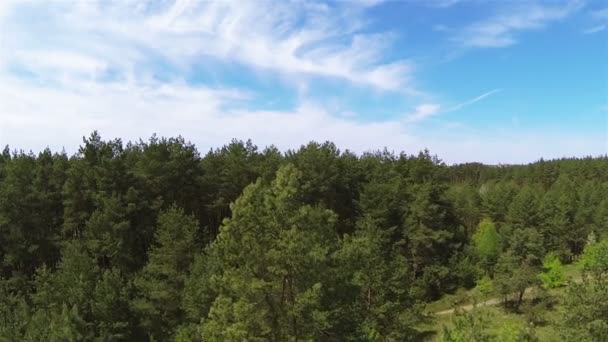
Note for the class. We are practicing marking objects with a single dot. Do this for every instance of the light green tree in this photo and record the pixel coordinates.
(552, 275)
(469, 326)
(511, 331)
(487, 244)
(485, 286)
(586, 304)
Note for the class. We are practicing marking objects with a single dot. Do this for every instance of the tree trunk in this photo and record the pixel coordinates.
(521, 297)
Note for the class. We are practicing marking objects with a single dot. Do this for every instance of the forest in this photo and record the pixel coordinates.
(155, 241)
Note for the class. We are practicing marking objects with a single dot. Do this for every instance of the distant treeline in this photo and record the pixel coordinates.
(155, 241)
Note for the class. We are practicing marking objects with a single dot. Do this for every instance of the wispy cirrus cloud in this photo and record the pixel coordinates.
(502, 30)
(129, 69)
(427, 110)
(443, 3)
(424, 111)
(126, 68)
(473, 100)
(35, 117)
(600, 18)
(595, 29)
(290, 38)
(601, 14)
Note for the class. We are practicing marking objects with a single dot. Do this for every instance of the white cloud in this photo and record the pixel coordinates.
(424, 111)
(293, 38)
(501, 30)
(34, 117)
(516, 146)
(49, 62)
(68, 68)
(6, 7)
(59, 117)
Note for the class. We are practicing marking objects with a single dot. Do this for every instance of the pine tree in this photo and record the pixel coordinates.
(275, 257)
(106, 235)
(161, 282)
(96, 297)
(524, 210)
(558, 215)
(496, 199)
(384, 308)
(30, 213)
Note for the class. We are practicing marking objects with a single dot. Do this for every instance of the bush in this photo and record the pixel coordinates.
(552, 275)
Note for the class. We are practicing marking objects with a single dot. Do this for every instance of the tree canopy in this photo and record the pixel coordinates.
(154, 241)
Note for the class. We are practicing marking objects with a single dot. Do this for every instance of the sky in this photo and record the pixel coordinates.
(487, 81)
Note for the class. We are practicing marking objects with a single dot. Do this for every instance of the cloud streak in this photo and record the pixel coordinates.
(595, 29)
(600, 17)
(473, 100)
(502, 30)
(427, 110)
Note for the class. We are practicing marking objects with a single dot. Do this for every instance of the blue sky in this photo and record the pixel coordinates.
(489, 81)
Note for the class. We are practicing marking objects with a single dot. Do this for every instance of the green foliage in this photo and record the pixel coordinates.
(485, 286)
(471, 326)
(482, 325)
(199, 290)
(541, 303)
(527, 246)
(30, 212)
(513, 277)
(496, 198)
(467, 205)
(594, 261)
(552, 275)
(99, 297)
(379, 279)
(329, 177)
(523, 211)
(14, 313)
(487, 244)
(187, 333)
(161, 282)
(516, 332)
(152, 240)
(276, 263)
(57, 325)
(586, 304)
(558, 211)
(406, 197)
(285, 276)
(106, 235)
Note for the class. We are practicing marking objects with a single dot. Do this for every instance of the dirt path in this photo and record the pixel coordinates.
(492, 301)
(470, 307)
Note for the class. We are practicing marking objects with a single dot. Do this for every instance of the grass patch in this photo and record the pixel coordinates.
(546, 317)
